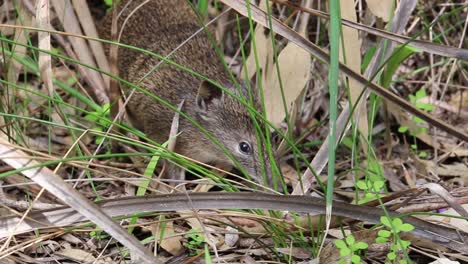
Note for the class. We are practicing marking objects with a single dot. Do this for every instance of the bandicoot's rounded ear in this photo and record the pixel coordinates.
(207, 92)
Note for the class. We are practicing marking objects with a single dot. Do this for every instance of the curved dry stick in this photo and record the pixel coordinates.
(453, 239)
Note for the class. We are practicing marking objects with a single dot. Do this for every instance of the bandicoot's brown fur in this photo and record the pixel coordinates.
(160, 26)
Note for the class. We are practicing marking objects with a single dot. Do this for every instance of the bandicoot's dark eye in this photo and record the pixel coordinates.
(244, 147)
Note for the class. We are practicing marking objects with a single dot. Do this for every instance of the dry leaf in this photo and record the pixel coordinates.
(457, 223)
(352, 58)
(170, 242)
(204, 185)
(455, 169)
(248, 260)
(298, 253)
(294, 65)
(459, 100)
(77, 255)
(444, 261)
(381, 8)
(264, 50)
(289, 174)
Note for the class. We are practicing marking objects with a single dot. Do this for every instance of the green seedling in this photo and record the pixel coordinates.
(371, 190)
(108, 2)
(395, 227)
(98, 235)
(421, 124)
(194, 241)
(374, 183)
(100, 119)
(350, 249)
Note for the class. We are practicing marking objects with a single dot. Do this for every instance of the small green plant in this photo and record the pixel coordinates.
(374, 183)
(422, 129)
(350, 248)
(98, 235)
(100, 119)
(194, 241)
(395, 226)
(371, 189)
(108, 2)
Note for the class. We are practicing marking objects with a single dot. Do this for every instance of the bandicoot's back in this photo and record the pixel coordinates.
(160, 26)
